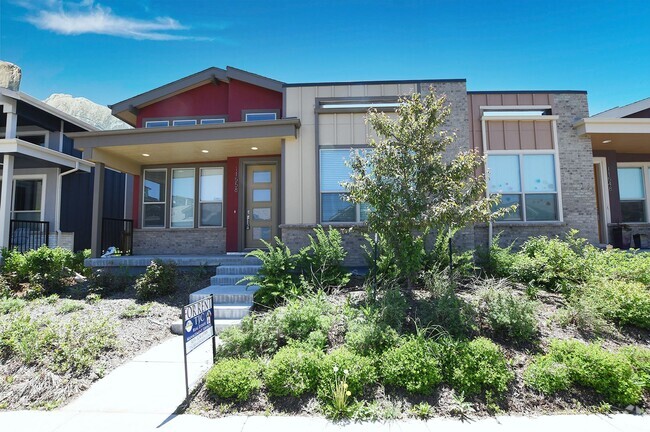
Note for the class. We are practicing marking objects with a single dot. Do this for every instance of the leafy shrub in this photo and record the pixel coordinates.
(276, 277)
(476, 367)
(10, 304)
(302, 316)
(321, 263)
(548, 375)
(108, 281)
(234, 379)
(256, 336)
(159, 279)
(368, 335)
(639, 358)
(589, 365)
(69, 306)
(42, 266)
(133, 311)
(617, 264)
(293, 371)
(507, 315)
(624, 302)
(413, 366)
(361, 372)
(437, 259)
(585, 315)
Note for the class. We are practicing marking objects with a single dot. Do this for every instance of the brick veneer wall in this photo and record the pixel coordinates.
(297, 237)
(203, 241)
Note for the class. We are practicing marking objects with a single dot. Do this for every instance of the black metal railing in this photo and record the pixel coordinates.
(119, 234)
(25, 235)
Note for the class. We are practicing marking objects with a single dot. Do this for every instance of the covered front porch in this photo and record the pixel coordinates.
(621, 150)
(198, 190)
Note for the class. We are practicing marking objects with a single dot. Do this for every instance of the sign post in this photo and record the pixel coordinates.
(198, 327)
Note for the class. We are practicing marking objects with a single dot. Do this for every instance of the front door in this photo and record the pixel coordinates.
(261, 221)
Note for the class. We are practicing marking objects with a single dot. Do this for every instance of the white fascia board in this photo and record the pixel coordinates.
(28, 149)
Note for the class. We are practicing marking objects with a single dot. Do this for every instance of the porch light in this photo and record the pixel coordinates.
(254, 148)
(204, 151)
(607, 141)
(145, 154)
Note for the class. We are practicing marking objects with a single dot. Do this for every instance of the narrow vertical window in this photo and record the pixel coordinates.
(632, 192)
(154, 198)
(182, 197)
(211, 197)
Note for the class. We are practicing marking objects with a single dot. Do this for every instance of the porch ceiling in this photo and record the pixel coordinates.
(623, 135)
(621, 143)
(125, 150)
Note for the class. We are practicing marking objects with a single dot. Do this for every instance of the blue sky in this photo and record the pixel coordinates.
(110, 50)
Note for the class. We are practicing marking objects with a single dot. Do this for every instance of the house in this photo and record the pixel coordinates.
(47, 188)
(620, 138)
(224, 158)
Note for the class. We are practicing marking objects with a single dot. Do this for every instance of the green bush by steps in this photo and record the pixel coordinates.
(361, 372)
(158, 280)
(570, 362)
(234, 379)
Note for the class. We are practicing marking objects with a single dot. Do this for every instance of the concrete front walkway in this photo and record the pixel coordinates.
(143, 394)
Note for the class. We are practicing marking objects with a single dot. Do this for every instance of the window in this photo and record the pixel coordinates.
(182, 198)
(528, 180)
(156, 123)
(333, 206)
(211, 197)
(261, 116)
(28, 196)
(184, 122)
(154, 198)
(213, 121)
(632, 193)
(34, 138)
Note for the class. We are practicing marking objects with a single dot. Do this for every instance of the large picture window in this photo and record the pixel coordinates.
(28, 199)
(527, 180)
(154, 198)
(334, 171)
(211, 197)
(182, 210)
(632, 191)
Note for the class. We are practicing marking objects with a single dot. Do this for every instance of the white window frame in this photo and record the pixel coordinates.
(213, 121)
(46, 134)
(164, 202)
(321, 191)
(274, 114)
(645, 166)
(43, 178)
(192, 122)
(555, 152)
(223, 175)
(171, 196)
(148, 123)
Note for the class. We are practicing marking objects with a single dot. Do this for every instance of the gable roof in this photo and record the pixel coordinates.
(625, 110)
(126, 110)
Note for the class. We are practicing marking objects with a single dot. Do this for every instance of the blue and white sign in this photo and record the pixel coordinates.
(198, 323)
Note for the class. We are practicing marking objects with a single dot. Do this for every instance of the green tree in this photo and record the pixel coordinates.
(412, 185)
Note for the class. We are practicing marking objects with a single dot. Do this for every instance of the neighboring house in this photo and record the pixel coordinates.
(46, 188)
(620, 138)
(223, 159)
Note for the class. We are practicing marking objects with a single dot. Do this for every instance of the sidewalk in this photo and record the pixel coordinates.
(143, 394)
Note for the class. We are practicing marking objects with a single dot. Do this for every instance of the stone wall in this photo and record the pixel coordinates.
(198, 241)
(297, 237)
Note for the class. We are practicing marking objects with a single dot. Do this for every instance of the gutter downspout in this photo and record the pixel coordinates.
(59, 184)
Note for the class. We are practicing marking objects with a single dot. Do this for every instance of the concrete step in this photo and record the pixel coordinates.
(232, 311)
(227, 280)
(238, 269)
(222, 324)
(238, 260)
(223, 294)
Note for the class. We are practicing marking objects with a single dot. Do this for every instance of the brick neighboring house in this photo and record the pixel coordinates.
(225, 158)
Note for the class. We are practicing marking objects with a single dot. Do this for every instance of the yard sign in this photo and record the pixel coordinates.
(198, 327)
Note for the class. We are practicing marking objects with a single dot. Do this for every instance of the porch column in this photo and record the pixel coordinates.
(9, 108)
(98, 211)
(5, 198)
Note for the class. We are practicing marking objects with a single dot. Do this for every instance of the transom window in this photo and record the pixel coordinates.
(261, 116)
(632, 182)
(184, 122)
(333, 206)
(527, 180)
(156, 123)
(213, 121)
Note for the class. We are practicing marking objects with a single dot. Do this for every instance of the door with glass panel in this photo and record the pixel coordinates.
(261, 205)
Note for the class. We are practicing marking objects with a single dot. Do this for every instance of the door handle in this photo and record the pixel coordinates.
(248, 219)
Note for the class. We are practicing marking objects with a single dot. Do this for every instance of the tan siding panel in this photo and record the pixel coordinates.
(510, 99)
(511, 135)
(527, 135)
(495, 135)
(543, 136)
(494, 99)
(525, 99)
(541, 99)
(478, 141)
(357, 90)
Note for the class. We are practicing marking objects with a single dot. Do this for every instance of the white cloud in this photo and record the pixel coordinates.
(90, 18)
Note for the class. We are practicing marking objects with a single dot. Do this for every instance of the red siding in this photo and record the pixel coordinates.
(233, 183)
(214, 99)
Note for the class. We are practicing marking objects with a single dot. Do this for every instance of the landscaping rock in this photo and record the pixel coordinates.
(177, 327)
